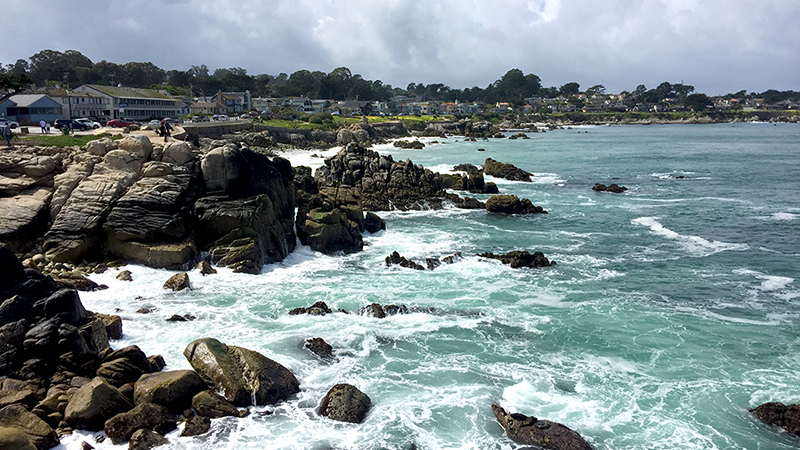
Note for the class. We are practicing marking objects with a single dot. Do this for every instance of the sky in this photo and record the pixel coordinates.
(718, 46)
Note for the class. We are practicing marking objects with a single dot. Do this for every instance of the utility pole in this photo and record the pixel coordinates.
(69, 99)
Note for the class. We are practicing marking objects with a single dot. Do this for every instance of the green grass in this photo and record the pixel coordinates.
(58, 140)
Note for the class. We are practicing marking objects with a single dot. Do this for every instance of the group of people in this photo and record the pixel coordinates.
(45, 127)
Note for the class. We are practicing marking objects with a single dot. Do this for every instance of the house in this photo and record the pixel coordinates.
(464, 108)
(264, 103)
(449, 108)
(75, 103)
(30, 108)
(299, 104)
(133, 103)
(208, 108)
(235, 102)
(502, 107)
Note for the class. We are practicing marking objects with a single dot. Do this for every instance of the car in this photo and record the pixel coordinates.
(6, 122)
(221, 117)
(174, 120)
(72, 124)
(119, 123)
(200, 118)
(245, 116)
(92, 124)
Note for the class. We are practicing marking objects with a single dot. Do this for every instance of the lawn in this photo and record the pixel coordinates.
(59, 140)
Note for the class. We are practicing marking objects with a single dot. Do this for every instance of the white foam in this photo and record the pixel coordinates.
(693, 244)
(306, 157)
(784, 216)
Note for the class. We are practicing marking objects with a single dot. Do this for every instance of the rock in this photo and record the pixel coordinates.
(780, 415)
(319, 347)
(416, 145)
(157, 363)
(38, 433)
(125, 275)
(511, 204)
(303, 180)
(93, 404)
(526, 430)
(25, 216)
(613, 188)
(507, 171)
(77, 281)
(113, 325)
(212, 405)
(121, 427)
(145, 440)
(178, 282)
(380, 312)
(15, 439)
(100, 147)
(345, 403)
(319, 308)
(396, 259)
(331, 221)
(173, 389)
(243, 376)
(205, 268)
(517, 259)
(196, 426)
(178, 153)
(373, 223)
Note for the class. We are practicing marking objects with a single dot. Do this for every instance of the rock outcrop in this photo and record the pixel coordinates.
(384, 184)
(504, 170)
(780, 415)
(612, 188)
(517, 259)
(511, 204)
(243, 376)
(528, 430)
(345, 403)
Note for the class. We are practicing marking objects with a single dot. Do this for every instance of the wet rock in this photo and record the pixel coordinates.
(15, 439)
(125, 275)
(205, 268)
(511, 204)
(173, 390)
(77, 281)
(212, 405)
(345, 403)
(196, 425)
(780, 415)
(319, 308)
(378, 311)
(243, 376)
(507, 171)
(37, 432)
(319, 347)
(612, 188)
(146, 439)
(113, 324)
(517, 259)
(121, 427)
(416, 145)
(93, 404)
(396, 259)
(525, 430)
(373, 223)
(177, 282)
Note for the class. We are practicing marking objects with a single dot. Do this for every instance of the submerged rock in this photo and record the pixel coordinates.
(319, 347)
(528, 430)
(780, 415)
(613, 188)
(522, 258)
(177, 282)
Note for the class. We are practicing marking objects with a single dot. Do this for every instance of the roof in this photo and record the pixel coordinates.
(26, 100)
(126, 92)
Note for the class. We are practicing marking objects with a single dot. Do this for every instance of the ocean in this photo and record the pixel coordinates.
(672, 309)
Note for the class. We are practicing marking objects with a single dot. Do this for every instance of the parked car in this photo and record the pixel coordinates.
(220, 117)
(200, 118)
(102, 121)
(6, 122)
(72, 124)
(119, 123)
(245, 116)
(92, 124)
(174, 120)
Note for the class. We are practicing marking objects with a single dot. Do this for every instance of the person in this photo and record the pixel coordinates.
(43, 124)
(165, 129)
(47, 127)
(7, 134)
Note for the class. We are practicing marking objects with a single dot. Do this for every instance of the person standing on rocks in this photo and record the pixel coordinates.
(7, 134)
(165, 129)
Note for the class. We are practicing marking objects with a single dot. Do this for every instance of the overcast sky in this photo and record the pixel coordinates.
(719, 46)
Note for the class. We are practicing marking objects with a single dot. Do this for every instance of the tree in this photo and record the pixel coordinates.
(200, 71)
(596, 89)
(698, 102)
(569, 89)
(51, 65)
(18, 68)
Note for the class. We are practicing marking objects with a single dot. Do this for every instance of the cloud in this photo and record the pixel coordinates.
(718, 46)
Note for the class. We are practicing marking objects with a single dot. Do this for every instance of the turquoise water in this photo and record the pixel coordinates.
(672, 309)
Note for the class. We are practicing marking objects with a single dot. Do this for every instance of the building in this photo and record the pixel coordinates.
(264, 103)
(133, 103)
(30, 109)
(236, 102)
(76, 104)
(208, 108)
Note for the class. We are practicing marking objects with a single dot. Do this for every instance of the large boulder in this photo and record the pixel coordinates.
(15, 439)
(121, 427)
(345, 403)
(25, 217)
(504, 170)
(145, 439)
(174, 389)
(178, 282)
(525, 430)
(780, 415)
(520, 258)
(332, 220)
(93, 404)
(212, 405)
(247, 218)
(37, 431)
(243, 376)
(511, 204)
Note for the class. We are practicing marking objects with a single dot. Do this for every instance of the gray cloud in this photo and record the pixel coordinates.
(718, 46)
